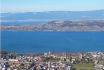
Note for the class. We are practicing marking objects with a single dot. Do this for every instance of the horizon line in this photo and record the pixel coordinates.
(52, 11)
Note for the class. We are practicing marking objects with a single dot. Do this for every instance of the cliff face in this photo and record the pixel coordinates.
(87, 25)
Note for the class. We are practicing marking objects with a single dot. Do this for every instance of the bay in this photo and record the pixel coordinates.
(40, 42)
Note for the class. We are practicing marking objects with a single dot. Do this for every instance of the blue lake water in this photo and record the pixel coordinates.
(18, 23)
(39, 42)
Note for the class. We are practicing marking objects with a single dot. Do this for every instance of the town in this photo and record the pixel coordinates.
(52, 61)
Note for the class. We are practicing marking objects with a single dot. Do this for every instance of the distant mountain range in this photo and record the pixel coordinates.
(52, 15)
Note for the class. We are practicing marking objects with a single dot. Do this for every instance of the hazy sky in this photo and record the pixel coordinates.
(50, 5)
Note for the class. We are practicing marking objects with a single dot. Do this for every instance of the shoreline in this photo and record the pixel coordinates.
(51, 52)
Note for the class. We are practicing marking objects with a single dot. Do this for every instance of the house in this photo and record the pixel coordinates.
(99, 67)
(59, 55)
(13, 60)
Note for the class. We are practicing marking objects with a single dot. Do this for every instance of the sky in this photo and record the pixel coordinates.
(50, 5)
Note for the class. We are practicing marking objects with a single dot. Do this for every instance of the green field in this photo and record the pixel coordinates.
(83, 66)
(102, 62)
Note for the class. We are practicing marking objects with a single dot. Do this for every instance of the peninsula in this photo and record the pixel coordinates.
(58, 25)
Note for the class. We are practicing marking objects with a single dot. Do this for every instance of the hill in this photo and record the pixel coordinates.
(86, 25)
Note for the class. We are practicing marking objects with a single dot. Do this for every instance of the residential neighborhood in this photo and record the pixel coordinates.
(50, 61)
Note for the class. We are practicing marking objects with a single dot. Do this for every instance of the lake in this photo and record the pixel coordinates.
(19, 23)
(39, 42)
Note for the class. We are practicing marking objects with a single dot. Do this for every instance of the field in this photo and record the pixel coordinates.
(83, 66)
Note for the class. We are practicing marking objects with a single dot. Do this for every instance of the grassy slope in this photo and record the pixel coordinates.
(84, 66)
